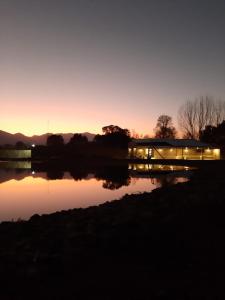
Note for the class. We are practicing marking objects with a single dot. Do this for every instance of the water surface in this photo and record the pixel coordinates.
(24, 192)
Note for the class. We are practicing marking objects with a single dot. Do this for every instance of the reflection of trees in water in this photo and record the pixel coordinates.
(79, 174)
(114, 177)
(115, 185)
(164, 181)
(55, 174)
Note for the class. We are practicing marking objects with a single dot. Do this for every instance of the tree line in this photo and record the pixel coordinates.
(202, 118)
(113, 135)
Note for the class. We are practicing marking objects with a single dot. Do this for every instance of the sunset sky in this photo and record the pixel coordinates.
(77, 65)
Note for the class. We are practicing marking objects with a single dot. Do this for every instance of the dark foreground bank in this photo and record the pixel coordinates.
(168, 243)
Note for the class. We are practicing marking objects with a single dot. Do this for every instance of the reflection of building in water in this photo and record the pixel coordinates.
(151, 168)
(172, 149)
(15, 165)
(161, 175)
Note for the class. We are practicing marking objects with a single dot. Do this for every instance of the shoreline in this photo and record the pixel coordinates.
(168, 242)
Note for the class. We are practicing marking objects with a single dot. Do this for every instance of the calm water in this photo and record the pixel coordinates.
(24, 191)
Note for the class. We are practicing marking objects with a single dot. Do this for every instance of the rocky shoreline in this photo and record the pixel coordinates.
(167, 243)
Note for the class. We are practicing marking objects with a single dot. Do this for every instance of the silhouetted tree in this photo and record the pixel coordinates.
(78, 139)
(164, 128)
(214, 134)
(113, 136)
(55, 140)
(20, 145)
(114, 129)
(194, 116)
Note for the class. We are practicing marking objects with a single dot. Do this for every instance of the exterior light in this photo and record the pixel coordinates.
(33, 145)
(186, 149)
(216, 151)
(208, 150)
(171, 150)
(33, 172)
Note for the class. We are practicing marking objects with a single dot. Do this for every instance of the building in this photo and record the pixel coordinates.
(172, 149)
(15, 154)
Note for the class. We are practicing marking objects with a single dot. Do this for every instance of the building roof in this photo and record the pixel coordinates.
(169, 143)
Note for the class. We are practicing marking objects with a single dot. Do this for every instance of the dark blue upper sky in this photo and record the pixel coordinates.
(79, 65)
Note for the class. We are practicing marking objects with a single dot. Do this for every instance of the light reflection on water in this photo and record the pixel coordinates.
(24, 192)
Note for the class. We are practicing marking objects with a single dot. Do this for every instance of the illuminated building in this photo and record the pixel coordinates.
(172, 149)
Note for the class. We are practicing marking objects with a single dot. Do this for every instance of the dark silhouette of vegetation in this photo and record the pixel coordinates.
(111, 145)
(114, 129)
(79, 173)
(114, 176)
(21, 146)
(214, 134)
(164, 128)
(55, 174)
(113, 136)
(194, 116)
(78, 139)
(115, 185)
(55, 140)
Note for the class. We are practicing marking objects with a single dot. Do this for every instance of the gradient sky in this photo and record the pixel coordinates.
(77, 65)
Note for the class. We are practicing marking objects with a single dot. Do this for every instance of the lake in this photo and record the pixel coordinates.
(25, 191)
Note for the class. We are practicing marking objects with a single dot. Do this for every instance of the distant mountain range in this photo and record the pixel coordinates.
(12, 139)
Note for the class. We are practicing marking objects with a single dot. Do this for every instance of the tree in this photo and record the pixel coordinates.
(55, 140)
(113, 136)
(20, 145)
(114, 129)
(194, 116)
(78, 139)
(214, 134)
(164, 128)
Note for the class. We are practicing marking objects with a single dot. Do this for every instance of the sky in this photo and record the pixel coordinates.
(78, 65)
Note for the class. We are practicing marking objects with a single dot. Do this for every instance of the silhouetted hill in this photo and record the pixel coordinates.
(9, 138)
